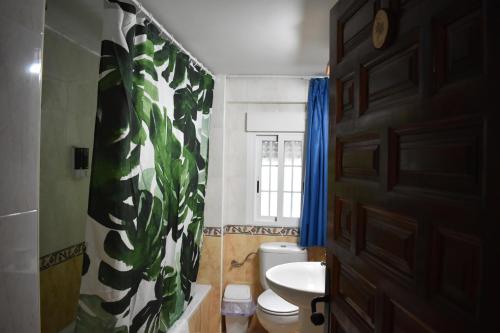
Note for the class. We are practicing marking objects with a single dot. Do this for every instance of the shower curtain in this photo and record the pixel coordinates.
(147, 188)
(314, 212)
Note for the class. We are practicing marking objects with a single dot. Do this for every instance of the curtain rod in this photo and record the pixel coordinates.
(162, 28)
(267, 76)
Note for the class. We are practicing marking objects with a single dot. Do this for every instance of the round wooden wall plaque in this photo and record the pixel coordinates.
(381, 29)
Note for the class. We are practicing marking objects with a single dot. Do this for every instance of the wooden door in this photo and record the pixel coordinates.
(413, 236)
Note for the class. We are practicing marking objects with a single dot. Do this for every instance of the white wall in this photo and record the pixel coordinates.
(69, 103)
(214, 194)
(247, 95)
(79, 20)
(20, 48)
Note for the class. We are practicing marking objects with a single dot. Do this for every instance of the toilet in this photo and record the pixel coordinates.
(274, 313)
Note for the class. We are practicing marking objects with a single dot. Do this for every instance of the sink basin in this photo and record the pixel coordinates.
(297, 282)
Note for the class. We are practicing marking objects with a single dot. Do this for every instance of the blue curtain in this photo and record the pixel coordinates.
(314, 221)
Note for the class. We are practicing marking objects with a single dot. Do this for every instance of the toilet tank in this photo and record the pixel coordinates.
(277, 253)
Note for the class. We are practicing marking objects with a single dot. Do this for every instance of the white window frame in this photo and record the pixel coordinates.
(253, 172)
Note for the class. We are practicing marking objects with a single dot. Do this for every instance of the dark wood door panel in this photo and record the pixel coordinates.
(358, 294)
(358, 157)
(458, 38)
(400, 320)
(390, 77)
(343, 224)
(455, 274)
(366, 301)
(416, 258)
(345, 97)
(388, 240)
(442, 156)
(354, 26)
(459, 67)
(376, 98)
(414, 172)
(336, 327)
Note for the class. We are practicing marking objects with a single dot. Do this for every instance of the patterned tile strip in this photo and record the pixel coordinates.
(63, 255)
(212, 231)
(57, 257)
(238, 229)
(261, 230)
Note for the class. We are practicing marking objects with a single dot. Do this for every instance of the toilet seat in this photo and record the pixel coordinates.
(269, 302)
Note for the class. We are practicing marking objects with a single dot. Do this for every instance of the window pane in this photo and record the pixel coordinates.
(297, 179)
(296, 203)
(269, 150)
(264, 178)
(264, 203)
(297, 153)
(274, 178)
(287, 203)
(265, 153)
(274, 152)
(273, 208)
(288, 152)
(287, 179)
(272, 171)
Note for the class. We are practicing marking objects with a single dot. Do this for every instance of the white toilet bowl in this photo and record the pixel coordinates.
(277, 315)
(274, 313)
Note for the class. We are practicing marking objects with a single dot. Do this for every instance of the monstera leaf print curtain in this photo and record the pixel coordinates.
(149, 169)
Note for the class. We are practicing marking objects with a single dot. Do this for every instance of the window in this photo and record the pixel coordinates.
(278, 179)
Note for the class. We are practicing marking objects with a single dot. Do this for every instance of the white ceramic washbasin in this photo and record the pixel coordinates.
(298, 282)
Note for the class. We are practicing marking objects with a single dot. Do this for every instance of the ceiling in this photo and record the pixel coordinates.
(248, 37)
(278, 37)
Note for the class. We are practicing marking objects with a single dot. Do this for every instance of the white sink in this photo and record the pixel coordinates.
(299, 283)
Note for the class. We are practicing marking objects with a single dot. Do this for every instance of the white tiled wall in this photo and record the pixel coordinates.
(249, 94)
(214, 194)
(69, 101)
(19, 291)
(20, 45)
(235, 163)
(266, 90)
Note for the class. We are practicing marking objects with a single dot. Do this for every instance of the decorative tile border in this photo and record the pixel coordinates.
(57, 257)
(212, 231)
(261, 230)
(250, 230)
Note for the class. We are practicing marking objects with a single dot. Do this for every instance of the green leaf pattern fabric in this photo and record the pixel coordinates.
(147, 188)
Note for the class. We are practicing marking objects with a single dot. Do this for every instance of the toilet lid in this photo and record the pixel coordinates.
(269, 301)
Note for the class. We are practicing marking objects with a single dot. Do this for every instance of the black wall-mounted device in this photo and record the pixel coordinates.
(81, 158)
